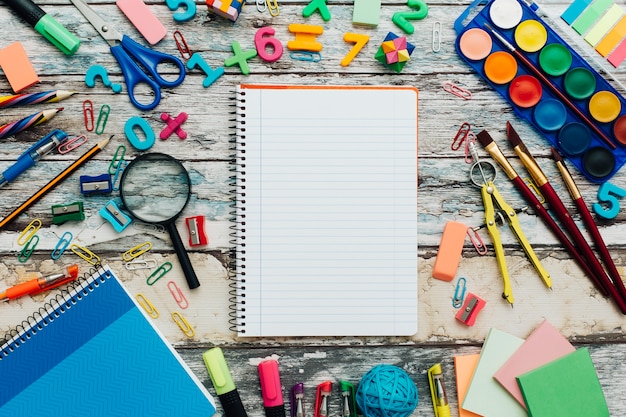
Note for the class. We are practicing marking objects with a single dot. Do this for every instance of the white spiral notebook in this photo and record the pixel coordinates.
(326, 211)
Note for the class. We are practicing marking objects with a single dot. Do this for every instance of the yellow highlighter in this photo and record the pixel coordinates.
(438, 391)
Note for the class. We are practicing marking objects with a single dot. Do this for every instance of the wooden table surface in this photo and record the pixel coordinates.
(445, 193)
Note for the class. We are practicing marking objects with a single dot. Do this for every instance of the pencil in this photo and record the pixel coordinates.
(53, 96)
(34, 119)
(56, 181)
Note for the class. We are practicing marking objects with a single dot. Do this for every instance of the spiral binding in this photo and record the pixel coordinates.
(237, 267)
(51, 310)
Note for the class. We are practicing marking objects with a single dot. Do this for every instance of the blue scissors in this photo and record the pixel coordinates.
(127, 51)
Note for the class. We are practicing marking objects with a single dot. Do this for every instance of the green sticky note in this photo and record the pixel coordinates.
(366, 12)
(590, 15)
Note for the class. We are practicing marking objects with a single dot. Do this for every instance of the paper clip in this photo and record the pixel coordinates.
(117, 177)
(460, 136)
(470, 144)
(118, 156)
(181, 44)
(29, 232)
(436, 36)
(531, 184)
(476, 240)
(183, 324)
(141, 264)
(459, 293)
(71, 144)
(147, 227)
(85, 254)
(178, 295)
(272, 5)
(105, 110)
(261, 5)
(88, 115)
(147, 305)
(28, 249)
(306, 56)
(61, 245)
(456, 90)
(135, 251)
(159, 272)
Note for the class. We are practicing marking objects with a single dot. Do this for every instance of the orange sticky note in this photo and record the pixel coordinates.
(17, 67)
(464, 366)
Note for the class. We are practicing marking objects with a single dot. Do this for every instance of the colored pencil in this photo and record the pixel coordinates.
(53, 96)
(34, 119)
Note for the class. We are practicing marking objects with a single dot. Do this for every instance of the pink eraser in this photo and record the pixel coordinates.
(450, 249)
(17, 67)
(144, 20)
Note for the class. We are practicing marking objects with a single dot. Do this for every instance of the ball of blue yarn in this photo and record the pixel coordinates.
(386, 391)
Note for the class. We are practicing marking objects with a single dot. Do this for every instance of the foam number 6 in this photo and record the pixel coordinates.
(401, 19)
(265, 37)
(608, 194)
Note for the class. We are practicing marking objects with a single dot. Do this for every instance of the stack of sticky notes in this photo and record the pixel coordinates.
(542, 376)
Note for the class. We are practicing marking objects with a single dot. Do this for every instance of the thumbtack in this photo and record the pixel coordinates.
(173, 125)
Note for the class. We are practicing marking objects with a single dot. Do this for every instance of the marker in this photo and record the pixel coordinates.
(438, 392)
(45, 25)
(222, 381)
(271, 388)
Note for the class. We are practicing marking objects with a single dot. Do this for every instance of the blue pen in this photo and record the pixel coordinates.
(32, 155)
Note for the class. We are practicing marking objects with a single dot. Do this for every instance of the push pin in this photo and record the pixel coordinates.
(173, 125)
(472, 306)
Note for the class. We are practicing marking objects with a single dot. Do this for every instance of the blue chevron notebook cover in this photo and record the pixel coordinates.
(98, 355)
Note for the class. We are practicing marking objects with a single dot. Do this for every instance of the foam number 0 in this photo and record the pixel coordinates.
(608, 194)
(401, 19)
(263, 38)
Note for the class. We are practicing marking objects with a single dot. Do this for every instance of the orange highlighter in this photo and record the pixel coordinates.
(438, 392)
(38, 285)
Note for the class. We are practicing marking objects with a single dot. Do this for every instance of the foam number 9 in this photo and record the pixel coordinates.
(608, 194)
(265, 37)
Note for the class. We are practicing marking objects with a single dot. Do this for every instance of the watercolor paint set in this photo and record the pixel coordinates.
(547, 83)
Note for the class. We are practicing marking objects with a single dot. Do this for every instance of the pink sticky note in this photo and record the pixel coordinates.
(17, 67)
(144, 20)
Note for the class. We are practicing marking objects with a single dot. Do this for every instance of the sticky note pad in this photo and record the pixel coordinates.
(17, 67)
(618, 55)
(366, 12)
(606, 45)
(605, 23)
(574, 10)
(464, 366)
(450, 248)
(143, 19)
(590, 15)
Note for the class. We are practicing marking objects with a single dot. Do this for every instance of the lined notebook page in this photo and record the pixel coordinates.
(330, 211)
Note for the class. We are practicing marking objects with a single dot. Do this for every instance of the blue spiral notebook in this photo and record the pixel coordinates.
(95, 353)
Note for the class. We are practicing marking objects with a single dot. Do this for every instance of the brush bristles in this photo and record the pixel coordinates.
(484, 138)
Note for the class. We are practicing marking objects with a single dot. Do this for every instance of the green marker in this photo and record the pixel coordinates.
(45, 25)
(223, 383)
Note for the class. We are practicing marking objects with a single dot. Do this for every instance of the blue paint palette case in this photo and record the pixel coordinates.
(547, 83)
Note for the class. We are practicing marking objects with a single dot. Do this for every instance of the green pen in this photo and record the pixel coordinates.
(45, 25)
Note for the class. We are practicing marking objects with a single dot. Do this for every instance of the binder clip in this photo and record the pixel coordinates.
(322, 398)
(62, 213)
(472, 306)
(197, 236)
(118, 219)
(348, 399)
(95, 184)
(296, 400)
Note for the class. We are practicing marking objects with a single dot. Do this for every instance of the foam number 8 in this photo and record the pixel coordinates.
(265, 37)
(608, 194)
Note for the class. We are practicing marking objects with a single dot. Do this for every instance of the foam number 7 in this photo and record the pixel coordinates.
(401, 19)
(608, 194)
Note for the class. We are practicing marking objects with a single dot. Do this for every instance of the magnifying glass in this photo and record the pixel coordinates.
(155, 189)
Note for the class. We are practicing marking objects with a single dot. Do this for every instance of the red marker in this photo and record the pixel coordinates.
(271, 388)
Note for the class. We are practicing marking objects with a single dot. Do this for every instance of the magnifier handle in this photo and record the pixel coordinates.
(183, 258)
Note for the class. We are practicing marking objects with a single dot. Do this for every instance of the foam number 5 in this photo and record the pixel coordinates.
(608, 194)
(401, 19)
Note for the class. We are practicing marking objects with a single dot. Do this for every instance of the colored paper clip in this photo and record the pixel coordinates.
(178, 295)
(436, 36)
(95, 184)
(117, 177)
(62, 213)
(272, 6)
(531, 184)
(306, 56)
(197, 236)
(60, 247)
(85, 254)
(456, 90)
(159, 272)
(105, 110)
(29, 232)
(147, 305)
(347, 390)
(472, 306)
(135, 251)
(88, 115)
(296, 400)
(181, 44)
(118, 219)
(141, 264)
(477, 241)
(459, 293)
(460, 136)
(147, 227)
(261, 6)
(118, 157)
(322, 396)
(71, 144)
(28, 249)
(470, 141)
(183, 324)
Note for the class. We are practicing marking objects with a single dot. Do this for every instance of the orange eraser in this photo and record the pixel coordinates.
(17, 67)
(450, 249)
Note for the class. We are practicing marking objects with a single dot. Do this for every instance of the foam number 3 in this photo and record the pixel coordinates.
(401, 19)
(608, 194)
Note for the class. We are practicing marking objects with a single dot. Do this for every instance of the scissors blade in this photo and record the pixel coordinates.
(109, 34)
